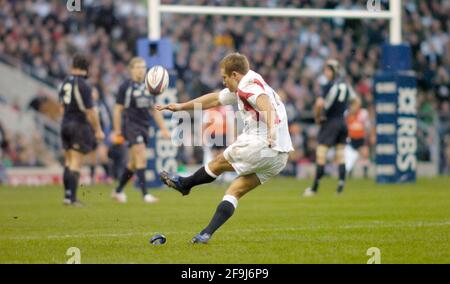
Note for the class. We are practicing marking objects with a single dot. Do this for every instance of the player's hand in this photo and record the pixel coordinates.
(99, 135)
(271, 139)
(117, 138)
(319, 119)
(165, 134)
(171, 107)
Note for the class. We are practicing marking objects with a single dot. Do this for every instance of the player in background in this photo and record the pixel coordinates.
(258, 154)
(135, 103)
(329, 110)
(216, 125)
(79, 116)
(3, 148)
(100, 154)
(219, 130)
(358, 125)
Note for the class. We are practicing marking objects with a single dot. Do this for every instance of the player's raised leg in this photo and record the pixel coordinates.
(204, 175)
(241, 186)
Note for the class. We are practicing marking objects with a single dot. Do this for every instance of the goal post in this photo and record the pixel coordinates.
(393, 15)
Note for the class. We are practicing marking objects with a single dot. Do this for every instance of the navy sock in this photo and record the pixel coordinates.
(126, 176)
(320, 170)
(141, 180)
(106, 167)
(66, 177)
(366, 172)
(92, 173)
(223, 212)
(199, 177)
(341, 177)
(73, 184)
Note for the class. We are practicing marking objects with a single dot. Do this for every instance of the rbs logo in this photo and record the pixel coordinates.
(407, 129)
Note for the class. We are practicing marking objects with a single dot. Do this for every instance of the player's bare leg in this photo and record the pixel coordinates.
(103, 160)
(206, 174)
(321, 157)
(241, 186)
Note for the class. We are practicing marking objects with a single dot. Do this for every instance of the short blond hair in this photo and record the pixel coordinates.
(235, 62)
(135, 60)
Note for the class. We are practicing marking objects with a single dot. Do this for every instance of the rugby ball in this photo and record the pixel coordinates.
(157, 80)
(158, 239)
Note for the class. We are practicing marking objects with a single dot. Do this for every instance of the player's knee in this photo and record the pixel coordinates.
(75, 163)
(237, 192)
(364, 152)
(139, 156)
(131, 166)
(321, 154)
(219, 165)
(340, 150)
(140, 161)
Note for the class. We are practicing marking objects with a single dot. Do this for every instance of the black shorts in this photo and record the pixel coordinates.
(78, 137)
(135, 135)
(357, 143)
(333, 132)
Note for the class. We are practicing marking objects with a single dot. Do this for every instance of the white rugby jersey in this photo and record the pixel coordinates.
(250, 87)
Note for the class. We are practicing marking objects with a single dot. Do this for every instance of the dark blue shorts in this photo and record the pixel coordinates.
(333, 132)
(135, 135)
(78, 137)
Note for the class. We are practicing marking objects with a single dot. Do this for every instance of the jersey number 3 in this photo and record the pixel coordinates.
(67, 88)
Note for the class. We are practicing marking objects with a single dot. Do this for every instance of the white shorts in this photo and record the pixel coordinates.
(251, 155)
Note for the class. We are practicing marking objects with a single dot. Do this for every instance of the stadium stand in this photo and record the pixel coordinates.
(38, 37)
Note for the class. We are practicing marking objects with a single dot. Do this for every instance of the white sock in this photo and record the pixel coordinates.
(233, 200)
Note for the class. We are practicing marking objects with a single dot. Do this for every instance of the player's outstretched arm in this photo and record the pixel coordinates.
(205, 102)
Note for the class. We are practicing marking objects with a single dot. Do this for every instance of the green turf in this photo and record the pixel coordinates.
(273, 224)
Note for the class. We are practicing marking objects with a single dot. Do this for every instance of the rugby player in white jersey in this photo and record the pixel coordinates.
(258, 154)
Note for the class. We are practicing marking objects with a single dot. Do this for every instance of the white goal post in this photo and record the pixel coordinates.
(394, 14)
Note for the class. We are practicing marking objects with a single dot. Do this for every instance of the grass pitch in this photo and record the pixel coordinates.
(273, 224)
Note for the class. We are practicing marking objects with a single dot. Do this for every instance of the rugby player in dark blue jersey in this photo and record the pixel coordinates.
(135, 105)
(329, 111)
(80, 117)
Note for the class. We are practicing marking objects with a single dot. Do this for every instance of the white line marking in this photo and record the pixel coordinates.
(374, 224)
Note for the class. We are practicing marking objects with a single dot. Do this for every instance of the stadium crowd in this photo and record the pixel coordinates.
(40, 36)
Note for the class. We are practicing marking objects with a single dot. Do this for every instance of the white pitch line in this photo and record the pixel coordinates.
(376, 224)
